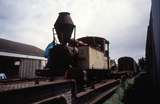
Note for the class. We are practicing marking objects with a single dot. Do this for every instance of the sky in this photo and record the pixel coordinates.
(122, 22)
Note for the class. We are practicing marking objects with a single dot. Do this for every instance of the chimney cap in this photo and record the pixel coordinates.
(64, 13)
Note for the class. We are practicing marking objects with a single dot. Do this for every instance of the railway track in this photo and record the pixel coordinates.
(19, 84)
(99, 93)
(48, 91)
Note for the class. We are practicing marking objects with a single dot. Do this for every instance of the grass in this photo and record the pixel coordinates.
(118, 97)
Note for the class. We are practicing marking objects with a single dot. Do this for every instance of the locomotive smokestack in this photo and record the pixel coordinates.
(64, 27)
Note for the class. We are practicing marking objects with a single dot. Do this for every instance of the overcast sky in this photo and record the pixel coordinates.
(122, 22)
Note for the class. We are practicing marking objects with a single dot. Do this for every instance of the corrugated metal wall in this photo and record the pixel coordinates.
(28, 67)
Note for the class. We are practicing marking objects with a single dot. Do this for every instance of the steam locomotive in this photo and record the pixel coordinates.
(84, 59)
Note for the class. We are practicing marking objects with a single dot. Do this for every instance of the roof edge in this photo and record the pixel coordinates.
(21, 56)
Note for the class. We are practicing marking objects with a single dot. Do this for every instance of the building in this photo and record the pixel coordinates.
(153, 43)
(19, 60)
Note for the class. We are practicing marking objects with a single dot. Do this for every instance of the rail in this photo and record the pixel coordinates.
(36, 93)
(100, 91)
(51, 91)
